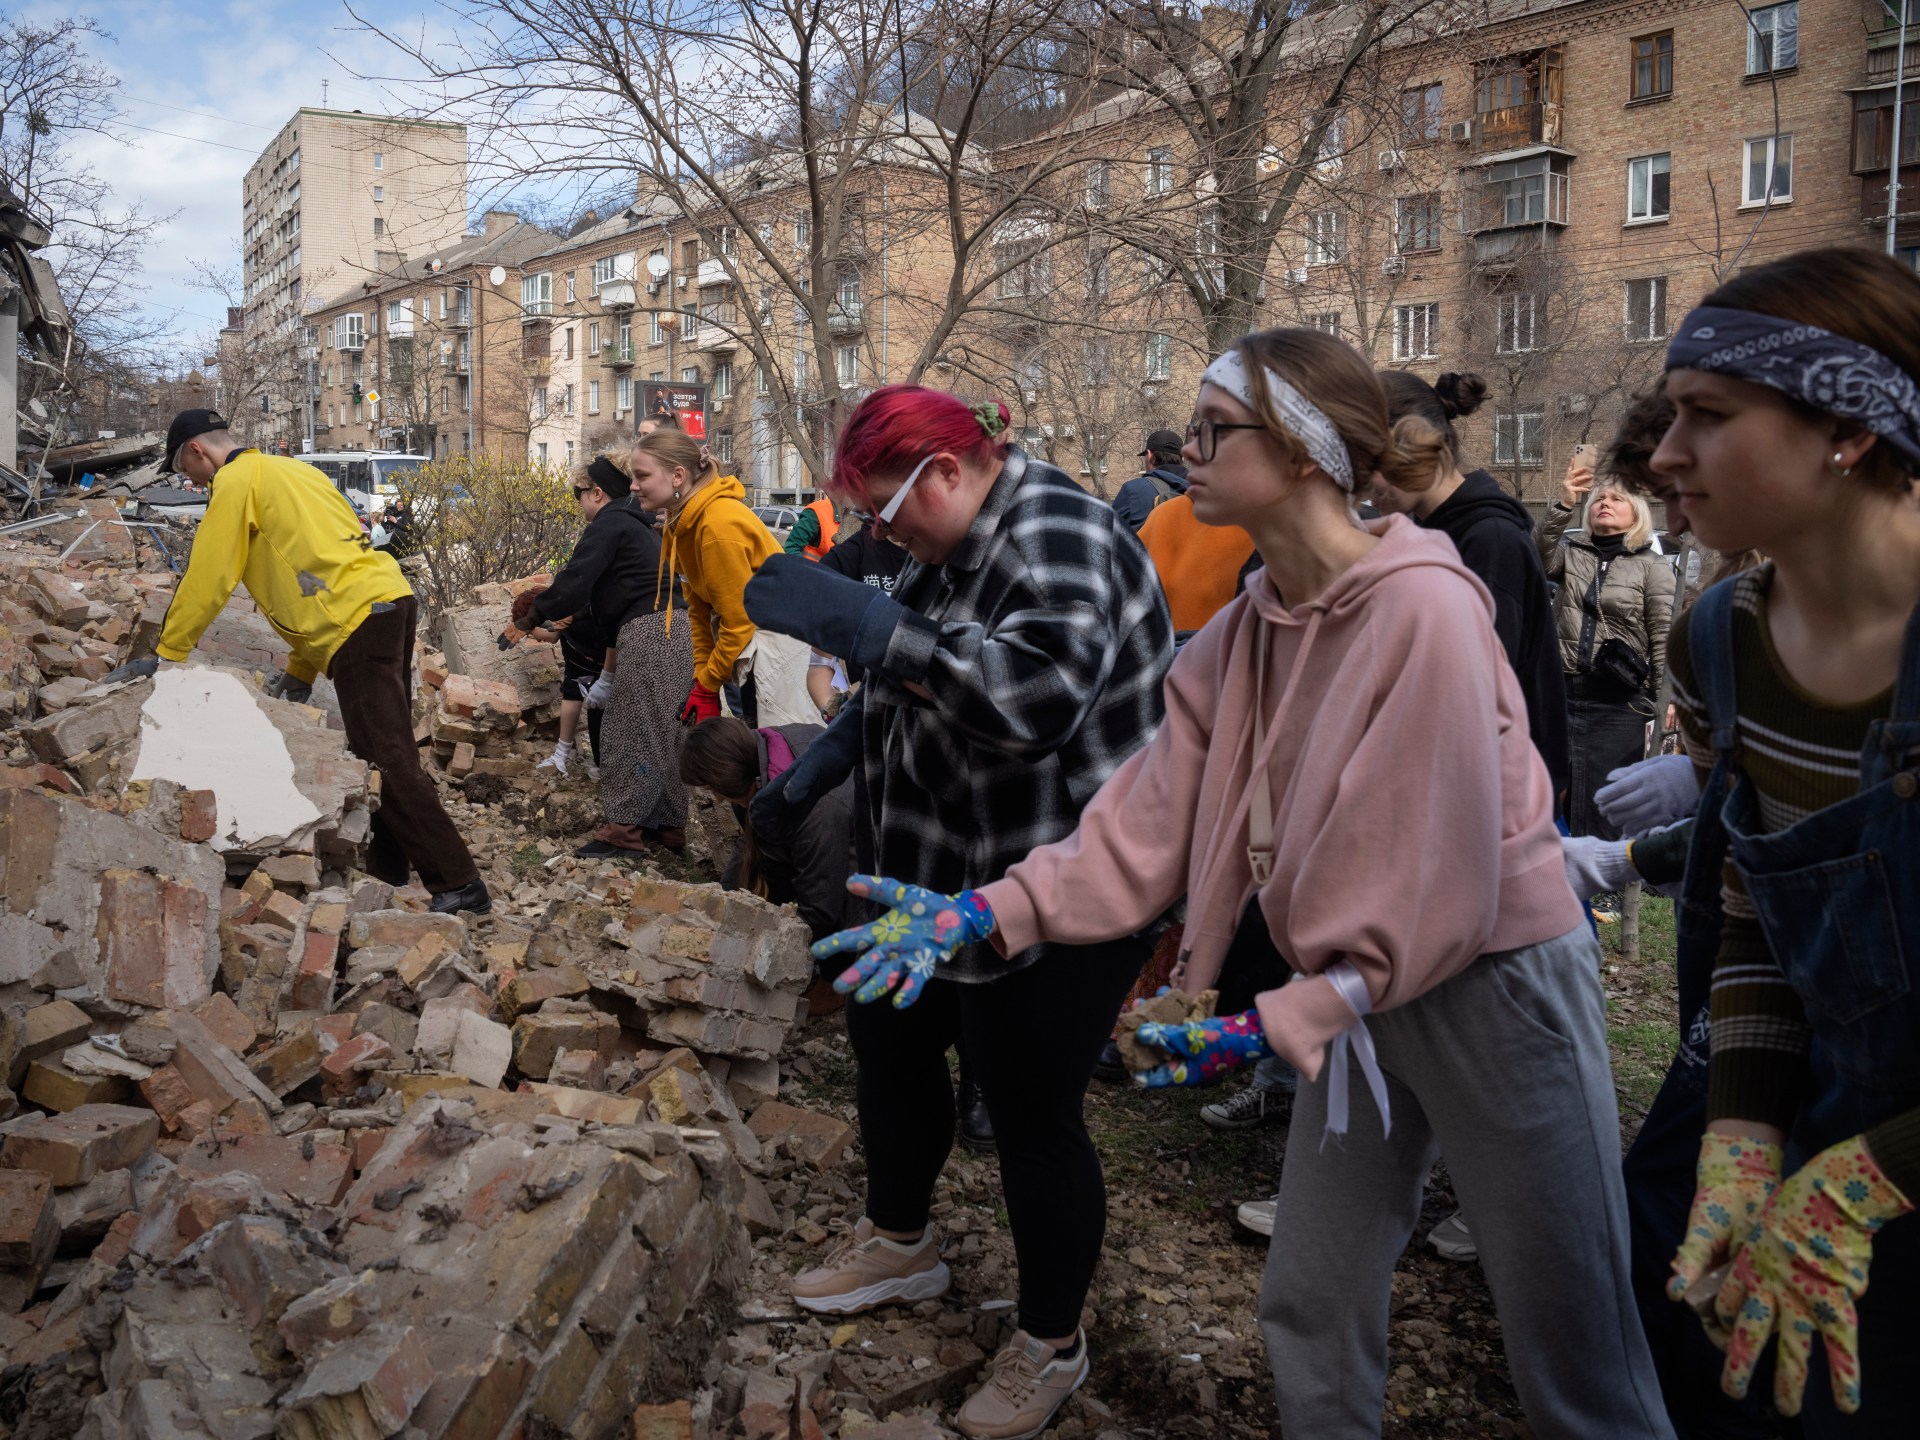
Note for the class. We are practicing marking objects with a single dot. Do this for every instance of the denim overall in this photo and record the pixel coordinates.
(1838, 897)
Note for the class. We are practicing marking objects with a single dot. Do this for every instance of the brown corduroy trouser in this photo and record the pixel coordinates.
(373, 675)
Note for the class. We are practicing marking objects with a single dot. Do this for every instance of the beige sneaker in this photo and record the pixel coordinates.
(1025, 1385)
(866, 1270)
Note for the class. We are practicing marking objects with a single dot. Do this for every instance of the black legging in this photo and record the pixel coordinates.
(1032, 1039)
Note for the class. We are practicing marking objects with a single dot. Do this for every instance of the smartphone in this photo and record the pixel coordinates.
(1584, 454)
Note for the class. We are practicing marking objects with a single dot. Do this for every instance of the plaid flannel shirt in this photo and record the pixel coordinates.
(1043, 640)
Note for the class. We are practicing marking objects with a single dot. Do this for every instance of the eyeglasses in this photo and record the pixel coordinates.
(1205, 435)
(893, 506)
(580, 490)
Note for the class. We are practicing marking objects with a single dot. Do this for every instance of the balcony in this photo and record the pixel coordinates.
(1515, 193)
(1883, 54)
(1517, 125)
(845, 318)
(354, 340)
(616, 294)
(1517, 100)
(613, 353)
(715, 339)
(460, 318)
(712, 272)
(457, 361)
(533, 310)
(538, 367)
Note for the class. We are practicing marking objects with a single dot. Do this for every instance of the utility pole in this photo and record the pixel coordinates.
(1899, 94)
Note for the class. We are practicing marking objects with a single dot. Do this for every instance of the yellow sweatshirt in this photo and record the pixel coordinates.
(715, 543)
(282, 527)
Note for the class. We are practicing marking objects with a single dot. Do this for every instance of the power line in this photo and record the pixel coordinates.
(176, 135)
(209, 114)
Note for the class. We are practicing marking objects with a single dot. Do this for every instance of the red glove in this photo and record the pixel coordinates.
(702, 704)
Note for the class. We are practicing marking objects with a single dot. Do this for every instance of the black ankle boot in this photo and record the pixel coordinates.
(976, 1126)
(1110, 1067)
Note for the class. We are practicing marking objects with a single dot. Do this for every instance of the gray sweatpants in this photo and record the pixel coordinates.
(1504, 1069)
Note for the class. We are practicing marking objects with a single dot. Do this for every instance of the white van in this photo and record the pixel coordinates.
(368, 478)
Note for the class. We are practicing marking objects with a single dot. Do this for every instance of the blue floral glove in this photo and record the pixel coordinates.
(1203, 1050)
(902, 948)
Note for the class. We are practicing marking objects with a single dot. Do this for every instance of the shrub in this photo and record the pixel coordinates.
(480, 518)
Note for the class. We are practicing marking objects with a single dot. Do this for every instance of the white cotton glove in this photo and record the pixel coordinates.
(600, 693)
(1594, 866)
(1649, 793)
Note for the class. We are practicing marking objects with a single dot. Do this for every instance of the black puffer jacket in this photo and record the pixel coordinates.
(1494, 534)
(614, 571)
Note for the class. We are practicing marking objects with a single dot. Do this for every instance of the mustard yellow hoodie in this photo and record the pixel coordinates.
(281, 527)
(715, 543)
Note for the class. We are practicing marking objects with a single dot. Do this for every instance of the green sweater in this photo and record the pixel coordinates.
(1800, 754)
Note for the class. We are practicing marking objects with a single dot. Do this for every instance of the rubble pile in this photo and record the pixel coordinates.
(479, 698)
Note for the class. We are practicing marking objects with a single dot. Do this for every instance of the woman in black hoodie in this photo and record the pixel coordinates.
(1494, 534)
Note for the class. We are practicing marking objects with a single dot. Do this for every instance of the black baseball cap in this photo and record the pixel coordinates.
(189, 425)
(1161, 441)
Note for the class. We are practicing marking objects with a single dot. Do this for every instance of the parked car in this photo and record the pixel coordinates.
(368, 478)
(778, 518)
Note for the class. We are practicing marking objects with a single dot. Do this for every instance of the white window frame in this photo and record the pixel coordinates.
(723, 380)
(379, 194)
(593, 397)
(846, 364)
(1327, 322)
(379, 161)
(1159, 171)
(1509, 425)
(1419, 321)
(1641, 171)
(1764, 32)
(1099, 185)
(1774, 145)
(1326, 237)
(1159, 358)
(536, 293)
(723, 447)
(1650, 324)
(623, 393)
(1518, 320)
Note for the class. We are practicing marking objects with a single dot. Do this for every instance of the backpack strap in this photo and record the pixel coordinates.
(1710, 647)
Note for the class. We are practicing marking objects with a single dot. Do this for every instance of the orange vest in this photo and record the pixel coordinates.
(823, 512)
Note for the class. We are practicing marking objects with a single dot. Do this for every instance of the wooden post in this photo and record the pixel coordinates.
(1656, 744)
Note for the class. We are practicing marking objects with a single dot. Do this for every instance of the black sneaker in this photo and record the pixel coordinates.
(1245, 1109)
(1110, 1067)
(472, 899)
(975, 1125)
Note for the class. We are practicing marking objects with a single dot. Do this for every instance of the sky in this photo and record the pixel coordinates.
(204, 87)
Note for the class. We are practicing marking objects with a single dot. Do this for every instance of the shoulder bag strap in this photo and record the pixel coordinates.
(1260, 804)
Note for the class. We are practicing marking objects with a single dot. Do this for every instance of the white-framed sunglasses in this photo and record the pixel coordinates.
(892, 507)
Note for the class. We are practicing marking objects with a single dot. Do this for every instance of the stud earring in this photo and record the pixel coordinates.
(1839, 469)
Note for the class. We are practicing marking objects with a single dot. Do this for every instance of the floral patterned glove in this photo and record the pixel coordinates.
(1800, 1271)
(1203, 1050)
(1733, 1181)
(903, 947)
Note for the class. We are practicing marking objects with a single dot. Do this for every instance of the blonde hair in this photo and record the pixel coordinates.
(677, 449)
(1340, 382)
(610, 443)
(1641, 531)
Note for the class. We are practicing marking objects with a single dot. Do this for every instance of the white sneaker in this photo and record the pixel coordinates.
(557, 761)
(1452, 1240)
(593, 773)
(1257, 1215)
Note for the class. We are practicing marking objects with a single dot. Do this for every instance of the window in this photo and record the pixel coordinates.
(1420, 114)
(1873, 129)
(379, 161)
(1333, 146)
(540, 452)
(570, 287)
(1099, 184)
(1523, 192)
(1327, 322)
(656, 334)
(1651, 75)
(1159, 171)
(1649, 188)
(1159, 357)
(593, 338)
(1769, 170)
(536, 295)
(723, 380)
(1416, 331)
(723, 447)
(1417, 223)
(849, 291)
(1326, 237)
(689, 321)
(1518, 320)
(760, 379)
(846, 360)
(1023, 269)
(1647, 308)
(379, 227)
(593, 397)
(1773, 38)
(540, 403)
(379, 193)
(609, 268)
(802, 233)
(1504, 88)
(569, 453)
(1519, 437)
(566, 337)
(657, 375)
(623, 393)
(1096, 361)
(690, 375)
(1099, 273)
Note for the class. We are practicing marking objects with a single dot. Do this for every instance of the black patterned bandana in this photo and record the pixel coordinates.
(1827, 371)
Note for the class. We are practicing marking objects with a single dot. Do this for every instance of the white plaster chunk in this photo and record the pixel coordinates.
(204, 729)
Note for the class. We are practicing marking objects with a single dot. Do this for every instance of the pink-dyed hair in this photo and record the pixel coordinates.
(898, 426)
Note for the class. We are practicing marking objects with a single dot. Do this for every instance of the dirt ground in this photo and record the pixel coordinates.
(1171, 1319)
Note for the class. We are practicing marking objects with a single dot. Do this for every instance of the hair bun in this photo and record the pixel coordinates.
(1460, 394)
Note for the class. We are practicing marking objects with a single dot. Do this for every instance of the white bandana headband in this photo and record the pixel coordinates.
(1307, 420)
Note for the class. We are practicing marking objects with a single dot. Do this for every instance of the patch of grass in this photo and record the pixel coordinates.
(1153, 1142)
(1641, 1053)
(527, 859)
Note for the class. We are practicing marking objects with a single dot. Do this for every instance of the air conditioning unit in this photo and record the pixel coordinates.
(1392, 159)
(653, 287)
(1394, 265)
(1460, 132)
(1569, 405)
(679, 282)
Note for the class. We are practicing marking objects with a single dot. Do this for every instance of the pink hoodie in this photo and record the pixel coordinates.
(1413, 819)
